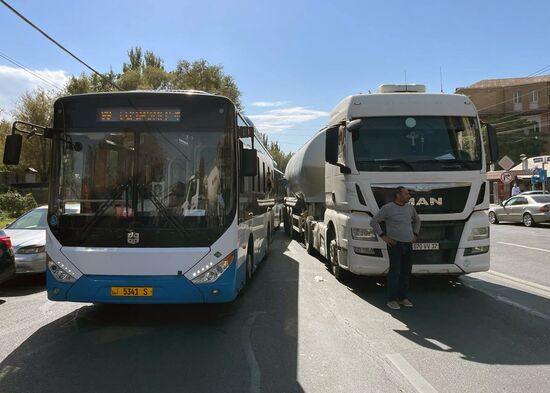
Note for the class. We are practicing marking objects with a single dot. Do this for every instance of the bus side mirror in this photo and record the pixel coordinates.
(249, 161)
(246, 132)
(12, 149)
(331, 145)
(493, 143)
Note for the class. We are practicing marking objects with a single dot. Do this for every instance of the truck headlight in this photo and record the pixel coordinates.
(61, 272)
(479, 233)
(211, 272)
(366, 234)
(31, 250)
(475, 250)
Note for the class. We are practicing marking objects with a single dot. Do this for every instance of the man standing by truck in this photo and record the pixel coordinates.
(402, 228)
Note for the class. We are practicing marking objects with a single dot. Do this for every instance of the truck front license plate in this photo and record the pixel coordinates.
(425, 246)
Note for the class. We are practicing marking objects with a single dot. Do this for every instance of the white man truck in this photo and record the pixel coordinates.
(432, 144)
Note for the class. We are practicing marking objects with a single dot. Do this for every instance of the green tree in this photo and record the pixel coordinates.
(280, 157)
(35, 107)
(201, 75)
(146, 71)
(517, 136)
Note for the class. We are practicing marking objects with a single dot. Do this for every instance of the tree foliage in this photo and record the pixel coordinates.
(518, 136)
(14, 204)
(280, 157)
(37, 108)
(146, 71)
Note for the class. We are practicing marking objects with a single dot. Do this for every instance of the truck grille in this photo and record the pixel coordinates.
(428, 198)
(447, 234)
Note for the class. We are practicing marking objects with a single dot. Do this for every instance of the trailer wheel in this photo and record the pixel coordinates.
(340, 274)
(308, 236)
(286, 221)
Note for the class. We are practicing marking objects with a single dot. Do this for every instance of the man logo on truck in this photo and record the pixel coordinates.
(426, 201)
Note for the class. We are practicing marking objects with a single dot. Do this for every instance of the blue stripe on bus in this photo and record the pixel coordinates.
(166, 289)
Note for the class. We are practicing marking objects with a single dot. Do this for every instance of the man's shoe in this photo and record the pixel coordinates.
(393, 305)
(406, 303)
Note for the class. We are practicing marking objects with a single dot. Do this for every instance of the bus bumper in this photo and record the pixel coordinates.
(166, 289)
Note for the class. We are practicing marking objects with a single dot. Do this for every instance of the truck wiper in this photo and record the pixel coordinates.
(396, 161)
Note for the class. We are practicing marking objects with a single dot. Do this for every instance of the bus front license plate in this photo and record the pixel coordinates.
(425, 246)
(131, 291)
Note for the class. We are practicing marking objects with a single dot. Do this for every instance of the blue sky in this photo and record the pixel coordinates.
(300, 57)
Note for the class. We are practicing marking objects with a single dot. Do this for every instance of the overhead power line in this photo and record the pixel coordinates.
(42, 78)
(59, 45)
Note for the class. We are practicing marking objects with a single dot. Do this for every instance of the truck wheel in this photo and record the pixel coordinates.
(286, 222)
(308, 237)
(340, 274)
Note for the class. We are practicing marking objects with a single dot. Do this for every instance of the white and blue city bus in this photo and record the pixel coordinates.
(155, 197)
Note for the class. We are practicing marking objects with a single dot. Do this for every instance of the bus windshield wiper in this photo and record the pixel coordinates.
(117, 193)
(164, 211)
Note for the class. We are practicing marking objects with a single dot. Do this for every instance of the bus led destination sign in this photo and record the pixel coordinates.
(138, 114)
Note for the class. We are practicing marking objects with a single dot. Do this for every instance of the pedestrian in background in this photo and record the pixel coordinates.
(402, 228)
(515, 189)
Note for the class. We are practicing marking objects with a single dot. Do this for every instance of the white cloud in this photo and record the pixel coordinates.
(266, 104)
(16, 81)
(279, 120)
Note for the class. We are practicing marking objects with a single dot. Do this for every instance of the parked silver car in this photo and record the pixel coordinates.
(529, 209)
(28, 237)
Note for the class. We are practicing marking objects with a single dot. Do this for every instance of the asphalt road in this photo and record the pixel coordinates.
(296, 329)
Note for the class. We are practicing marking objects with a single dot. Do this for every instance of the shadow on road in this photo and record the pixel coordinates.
(448, 316)
(246, 346)
(22, 285)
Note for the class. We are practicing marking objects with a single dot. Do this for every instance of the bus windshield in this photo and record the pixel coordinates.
(173, 187)
(417, 143)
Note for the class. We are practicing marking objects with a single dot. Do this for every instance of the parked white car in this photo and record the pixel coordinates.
(28, 236)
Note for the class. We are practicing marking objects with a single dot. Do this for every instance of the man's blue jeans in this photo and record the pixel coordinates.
(400, 270)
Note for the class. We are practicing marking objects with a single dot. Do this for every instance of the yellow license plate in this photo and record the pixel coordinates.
(131, 291)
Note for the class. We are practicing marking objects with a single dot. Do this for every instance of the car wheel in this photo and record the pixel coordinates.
(493, 218)
(528, 220)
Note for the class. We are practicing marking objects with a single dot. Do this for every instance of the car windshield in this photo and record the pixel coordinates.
(35, 219)
(417, 143)
(541, 198)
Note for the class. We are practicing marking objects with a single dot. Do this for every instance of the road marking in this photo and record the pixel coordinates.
(408, 371)
(504, 299)
(255, 375)
(539, 287)
(530, 248)
(7, 370)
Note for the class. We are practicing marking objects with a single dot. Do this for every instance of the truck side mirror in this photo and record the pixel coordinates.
(12, 149)
(493, 143)
(249, 161)
(331, 145)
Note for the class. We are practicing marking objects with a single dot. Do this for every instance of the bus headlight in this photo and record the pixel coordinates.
(61, 272)
(208, 275)
(479, 233)
(366, 234)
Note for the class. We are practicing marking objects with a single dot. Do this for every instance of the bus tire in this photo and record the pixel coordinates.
(268, 242)
(249, 264)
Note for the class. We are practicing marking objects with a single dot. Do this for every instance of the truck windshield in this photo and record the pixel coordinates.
(417, 143)
(173, 187)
